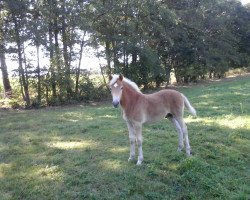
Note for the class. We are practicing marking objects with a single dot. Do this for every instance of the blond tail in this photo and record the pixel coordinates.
(189, 106)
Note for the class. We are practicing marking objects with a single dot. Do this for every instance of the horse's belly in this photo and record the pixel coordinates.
(145, 116)
(155, 118)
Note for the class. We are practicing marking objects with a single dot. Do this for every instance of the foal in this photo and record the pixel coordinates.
(138, 108)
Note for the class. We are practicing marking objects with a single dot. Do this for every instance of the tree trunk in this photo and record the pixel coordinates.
(115, 58)
(65, 39)
(125, 46)
(51, 57)
(167, 71)
(59, 76)
(103, 77)
(79, 68)
(3, 66)
(51, 50)
(108, 56)
(134, 56)
(38, 75)
(6, 82)
(20, 68)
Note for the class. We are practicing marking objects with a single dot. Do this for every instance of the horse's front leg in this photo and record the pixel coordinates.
(138, 133)
(131, 140)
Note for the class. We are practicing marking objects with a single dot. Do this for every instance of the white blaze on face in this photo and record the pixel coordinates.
(115, 90)
(113, 80)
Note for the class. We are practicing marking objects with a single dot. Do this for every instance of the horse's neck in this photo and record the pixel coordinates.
(129, 96)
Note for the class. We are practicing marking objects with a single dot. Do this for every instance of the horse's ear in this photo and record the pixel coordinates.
(110, 77)
(120, 77)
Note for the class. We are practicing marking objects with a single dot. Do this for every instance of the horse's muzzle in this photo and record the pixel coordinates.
(115, 104)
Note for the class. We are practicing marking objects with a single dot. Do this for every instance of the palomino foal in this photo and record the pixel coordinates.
(138, 108)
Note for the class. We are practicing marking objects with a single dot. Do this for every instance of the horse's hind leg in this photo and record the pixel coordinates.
(179, 131)
(185, 132)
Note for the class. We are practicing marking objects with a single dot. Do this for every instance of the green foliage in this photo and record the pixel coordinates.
(81, 152)
(147, 69)
(91, 92)
(144, 40)
(196, 39)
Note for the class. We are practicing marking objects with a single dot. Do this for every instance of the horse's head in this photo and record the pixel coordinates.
(116, 86)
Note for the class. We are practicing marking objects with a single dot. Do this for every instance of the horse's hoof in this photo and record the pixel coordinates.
(179, 149)
(138, 162)
(189, 153)
(131, 159)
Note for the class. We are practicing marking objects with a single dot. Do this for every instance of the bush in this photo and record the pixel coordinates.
(91, 92)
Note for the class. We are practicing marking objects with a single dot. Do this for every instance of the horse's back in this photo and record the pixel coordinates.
(165, 96)
(165, 102)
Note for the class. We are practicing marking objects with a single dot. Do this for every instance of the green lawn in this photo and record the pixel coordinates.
(81, 152)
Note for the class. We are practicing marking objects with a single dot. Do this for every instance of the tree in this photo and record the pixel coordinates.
(6, 82)
(241, 29)
(18, 11)
(144, 40)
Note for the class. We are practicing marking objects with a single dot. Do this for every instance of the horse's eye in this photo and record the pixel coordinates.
(121, 88)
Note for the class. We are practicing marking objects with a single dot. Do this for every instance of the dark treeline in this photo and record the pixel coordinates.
(143, 39)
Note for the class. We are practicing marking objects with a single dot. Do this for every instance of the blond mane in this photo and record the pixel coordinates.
(132, 84)
(126, 80)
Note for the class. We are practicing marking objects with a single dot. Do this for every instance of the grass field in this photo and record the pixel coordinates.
(81, 152)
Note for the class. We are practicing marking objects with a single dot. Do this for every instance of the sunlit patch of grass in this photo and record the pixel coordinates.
(108, 116)
(3, 167)
(48, 172)
(173, 166)
(119, 150)
(71, 117)
(113, 165)
(72, 144)
(233, 122)
(203, 120)
(229, 121)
